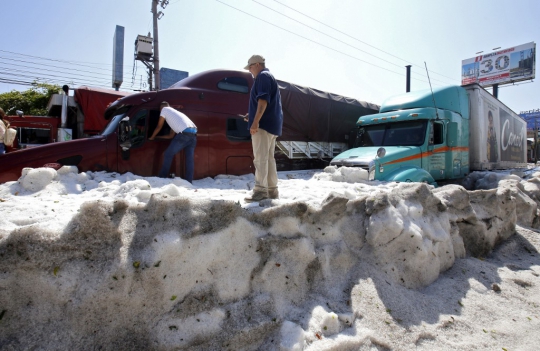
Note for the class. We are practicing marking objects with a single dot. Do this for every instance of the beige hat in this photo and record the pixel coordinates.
(254, 59)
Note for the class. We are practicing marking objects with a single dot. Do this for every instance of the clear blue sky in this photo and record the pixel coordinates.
(356, 48)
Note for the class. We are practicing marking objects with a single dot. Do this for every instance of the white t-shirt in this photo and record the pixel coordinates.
(176, 119)
(2, 131)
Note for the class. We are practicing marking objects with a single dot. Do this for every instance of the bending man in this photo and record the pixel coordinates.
(184, 136)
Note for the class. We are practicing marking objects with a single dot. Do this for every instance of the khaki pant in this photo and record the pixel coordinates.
(264, 145)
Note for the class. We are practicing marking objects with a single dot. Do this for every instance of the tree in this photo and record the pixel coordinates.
(32, 101)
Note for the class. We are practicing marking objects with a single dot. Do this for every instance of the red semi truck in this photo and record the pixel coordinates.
(83, 117)
(317, 125)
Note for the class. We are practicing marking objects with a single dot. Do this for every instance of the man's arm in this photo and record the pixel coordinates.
(261, 107)
(171, 135)
(158, 128)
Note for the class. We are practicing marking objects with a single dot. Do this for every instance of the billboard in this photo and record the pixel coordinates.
(532, 117)
(499, 67)
(168, 77)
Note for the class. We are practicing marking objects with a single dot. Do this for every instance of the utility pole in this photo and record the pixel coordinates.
(535, 141)
(156, 16)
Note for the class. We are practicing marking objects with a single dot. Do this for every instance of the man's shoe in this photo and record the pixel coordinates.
(257, 196)
(273, 193)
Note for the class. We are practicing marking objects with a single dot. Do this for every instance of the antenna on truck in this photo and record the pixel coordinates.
(432, 96)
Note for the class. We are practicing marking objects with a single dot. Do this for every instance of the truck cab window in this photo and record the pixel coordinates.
(438, 137)
(152, 124)
(115, 120)
(237, 129)
(137, 134)
(236, 84)
(370, 136)
(33, 136)
(411, 133)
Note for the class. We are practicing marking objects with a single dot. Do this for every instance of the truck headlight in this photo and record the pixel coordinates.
(371, 170)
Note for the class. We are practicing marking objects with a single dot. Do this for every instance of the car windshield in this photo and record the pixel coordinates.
(113, 124)
(392, 134)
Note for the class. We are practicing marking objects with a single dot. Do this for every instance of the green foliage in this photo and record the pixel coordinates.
(32, 101)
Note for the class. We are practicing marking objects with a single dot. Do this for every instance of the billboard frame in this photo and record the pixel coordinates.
(505, 66)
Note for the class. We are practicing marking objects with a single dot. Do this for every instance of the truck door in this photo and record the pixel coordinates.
(230, 150)
(437, 152)
(134, 153)
(137, 154)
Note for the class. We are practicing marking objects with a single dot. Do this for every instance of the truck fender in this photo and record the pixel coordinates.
(411, 174)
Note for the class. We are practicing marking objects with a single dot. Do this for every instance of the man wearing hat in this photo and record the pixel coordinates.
(265, 121)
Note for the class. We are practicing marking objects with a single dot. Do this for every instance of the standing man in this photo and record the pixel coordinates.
(184, 136)
(265, 121)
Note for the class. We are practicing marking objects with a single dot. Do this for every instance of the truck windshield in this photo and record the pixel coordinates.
(116, 118)
(392, 134)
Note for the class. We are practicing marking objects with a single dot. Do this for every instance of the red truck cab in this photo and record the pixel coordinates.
(214, 101)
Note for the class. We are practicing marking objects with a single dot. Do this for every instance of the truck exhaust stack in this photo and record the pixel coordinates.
(64, 134)
(408, 84)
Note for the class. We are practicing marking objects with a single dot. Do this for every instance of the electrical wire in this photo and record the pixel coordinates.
(61, 69)
(315, 42)
(337, 39)
(43, 75)
(350, 36)
(36, 60)
(27, 74)
(62, 61)
(51, 80)
(53, 66)
(33, 79)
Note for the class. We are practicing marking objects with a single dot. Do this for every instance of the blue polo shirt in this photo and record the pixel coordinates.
(265, 87)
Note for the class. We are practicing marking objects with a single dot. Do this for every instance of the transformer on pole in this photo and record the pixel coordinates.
(147, 48)
(143, 53)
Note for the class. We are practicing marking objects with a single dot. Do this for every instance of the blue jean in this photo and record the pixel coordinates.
(2, 148)
(180, 142)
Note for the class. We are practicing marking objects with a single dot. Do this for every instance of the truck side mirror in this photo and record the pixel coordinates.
(123, 133)
(452, 134)
(124, 129)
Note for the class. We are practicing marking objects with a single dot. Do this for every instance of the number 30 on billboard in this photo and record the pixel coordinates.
(500, 67)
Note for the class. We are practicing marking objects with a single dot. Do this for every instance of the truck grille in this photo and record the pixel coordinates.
(350, 163)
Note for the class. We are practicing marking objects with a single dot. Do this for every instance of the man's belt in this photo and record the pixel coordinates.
(190, 131)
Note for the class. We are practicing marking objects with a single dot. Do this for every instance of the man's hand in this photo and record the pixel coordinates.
(254, 128)
(161, 121)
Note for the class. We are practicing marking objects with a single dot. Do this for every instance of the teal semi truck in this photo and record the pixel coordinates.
(437, 136)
